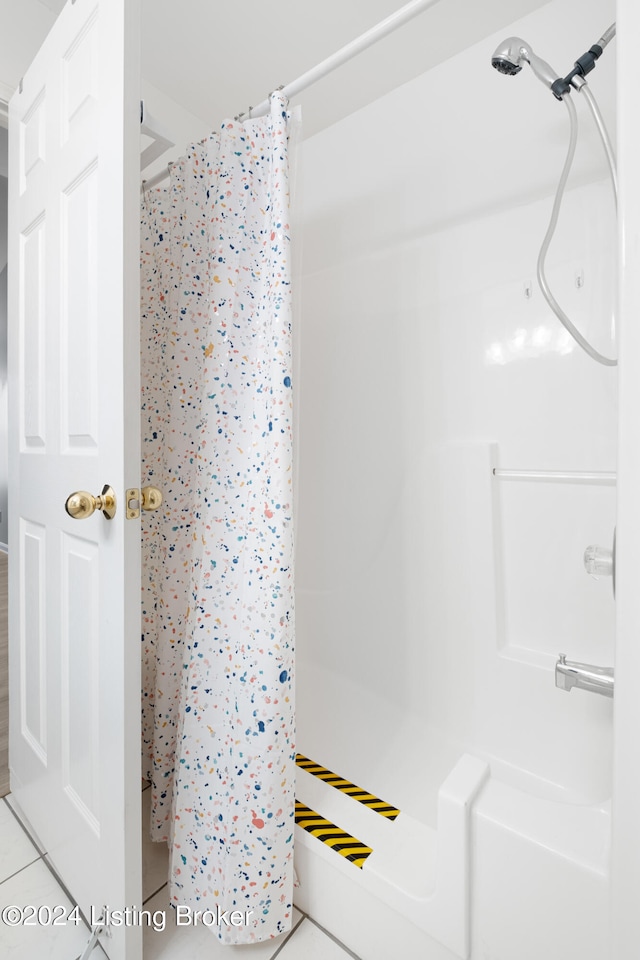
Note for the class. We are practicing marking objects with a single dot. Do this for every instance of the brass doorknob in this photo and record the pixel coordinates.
(81, 504)
(151, 498)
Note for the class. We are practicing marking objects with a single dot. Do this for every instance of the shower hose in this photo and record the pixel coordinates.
(542, 280)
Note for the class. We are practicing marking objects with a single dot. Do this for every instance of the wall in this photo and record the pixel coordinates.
(3, 338)
(432, 599)
(180, 125)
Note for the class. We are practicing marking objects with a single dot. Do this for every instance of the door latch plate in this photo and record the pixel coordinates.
(132, 501)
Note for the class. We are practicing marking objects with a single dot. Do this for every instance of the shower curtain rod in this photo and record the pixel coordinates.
(323, 69)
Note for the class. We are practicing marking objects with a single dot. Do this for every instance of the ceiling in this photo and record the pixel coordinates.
(216, 59)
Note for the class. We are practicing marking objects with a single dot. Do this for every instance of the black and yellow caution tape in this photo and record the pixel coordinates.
(362, 796)
(340, 841)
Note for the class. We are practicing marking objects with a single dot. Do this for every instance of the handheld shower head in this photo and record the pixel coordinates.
(511, 54)
(507, 58)
(505, 65)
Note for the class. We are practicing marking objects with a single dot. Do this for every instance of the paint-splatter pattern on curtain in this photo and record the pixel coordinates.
(218, 710)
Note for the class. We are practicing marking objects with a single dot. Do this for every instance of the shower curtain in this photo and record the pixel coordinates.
(217, 640)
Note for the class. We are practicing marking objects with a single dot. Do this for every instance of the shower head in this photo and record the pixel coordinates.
(506, 66)
(513, 52)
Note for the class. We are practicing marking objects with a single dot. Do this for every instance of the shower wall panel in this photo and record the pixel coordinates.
(433, 595)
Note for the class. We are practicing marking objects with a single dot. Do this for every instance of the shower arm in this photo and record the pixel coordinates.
(584, 64)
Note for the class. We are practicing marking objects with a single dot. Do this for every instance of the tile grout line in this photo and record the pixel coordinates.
(42, 852)
(16, 872)
(65, 890)
(288, 936)
(349, 953)
(303, 916)
(42, 856)
(155, 893)
(39, 856)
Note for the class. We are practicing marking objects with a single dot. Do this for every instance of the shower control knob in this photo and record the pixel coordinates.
(598, 561)
(601, 562)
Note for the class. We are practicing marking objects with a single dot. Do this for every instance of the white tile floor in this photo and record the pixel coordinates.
(26, 879)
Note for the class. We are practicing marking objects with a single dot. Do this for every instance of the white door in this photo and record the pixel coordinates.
(74, 425)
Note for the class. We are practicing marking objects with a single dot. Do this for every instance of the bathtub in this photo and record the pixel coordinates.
(483, 859)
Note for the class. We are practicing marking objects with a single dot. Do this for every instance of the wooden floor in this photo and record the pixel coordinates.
(4, 679)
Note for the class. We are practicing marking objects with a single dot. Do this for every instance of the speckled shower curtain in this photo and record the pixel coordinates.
(218, 710)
